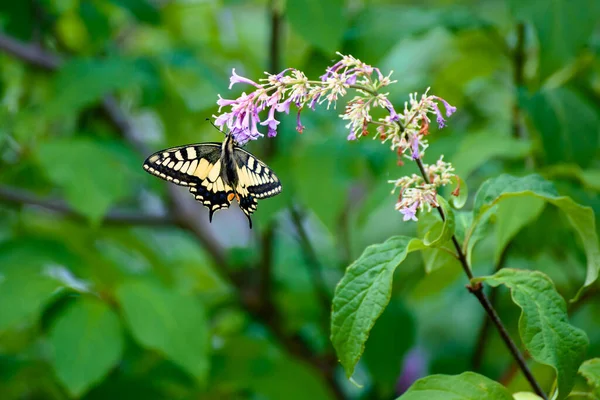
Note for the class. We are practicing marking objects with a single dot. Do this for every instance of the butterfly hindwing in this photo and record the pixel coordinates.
(197, 166)
(255, 180)
(255, 175)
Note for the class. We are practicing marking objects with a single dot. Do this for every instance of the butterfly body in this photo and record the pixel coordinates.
(216, 174)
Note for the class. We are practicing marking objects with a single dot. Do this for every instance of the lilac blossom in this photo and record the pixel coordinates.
(271, 122)
(235, 78)
(410, 213)
(299, 126)
(415, 147)
(440, 118)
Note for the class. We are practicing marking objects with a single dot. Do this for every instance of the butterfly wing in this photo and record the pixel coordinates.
(198, 166)
(255, 180)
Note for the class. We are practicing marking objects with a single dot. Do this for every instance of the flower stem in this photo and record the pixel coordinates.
(477, 290)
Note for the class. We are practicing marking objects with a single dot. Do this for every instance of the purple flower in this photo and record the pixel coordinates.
(313, 103)
(379, 73)
(414, 367)
(235, 78)
(410, 213)
(351, 79)
(224, 119)
(282, 73)
(352, 135)
(394, 117)
(415, 147)
(449, 109)
(284, 107)
(299, 126)
(271, 122)
(440, 118)
(224, 102)
(331, 70)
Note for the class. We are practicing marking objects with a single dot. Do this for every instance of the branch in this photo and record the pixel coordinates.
(32, 54)
(518, 78)
(477, 291)
(315, 266)
(484, 331)
(16, 196)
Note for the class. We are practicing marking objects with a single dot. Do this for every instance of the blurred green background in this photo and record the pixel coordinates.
(114, 285)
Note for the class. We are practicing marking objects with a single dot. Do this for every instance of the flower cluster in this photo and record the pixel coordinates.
(418, 194)
(404, 131)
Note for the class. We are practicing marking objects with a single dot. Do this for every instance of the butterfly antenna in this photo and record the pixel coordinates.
(216, 127)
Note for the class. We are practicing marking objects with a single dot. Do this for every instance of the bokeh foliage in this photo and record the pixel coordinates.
(111, 288)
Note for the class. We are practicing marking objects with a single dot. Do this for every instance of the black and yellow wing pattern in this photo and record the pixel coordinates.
(216, 173)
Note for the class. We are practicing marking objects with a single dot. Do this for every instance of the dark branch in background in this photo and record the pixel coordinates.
(32, 54)
(477, 290)
(184, 212)
(265, 268)
(20, 197)
(484, 331)
(518, 79)
(314, 265)
(268, 309)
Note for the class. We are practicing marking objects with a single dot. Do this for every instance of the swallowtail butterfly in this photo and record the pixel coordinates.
(216, 173)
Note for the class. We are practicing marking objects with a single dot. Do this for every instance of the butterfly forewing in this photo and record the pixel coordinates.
(197, 166)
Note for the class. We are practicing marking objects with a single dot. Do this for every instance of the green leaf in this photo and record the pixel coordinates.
(23, 296)
(169, 322)
(591, 372)
(142, 10)
(581, 218)
(82, 82)
(489, 145)
(440, 234)
(390, 339)
(87, 342)
(321, 23)
(544, 325)
(85, 169)
(362, 295)
(563, 28)
(526, 396)
(26, 286)
(565, 138)
(513, 214)
(466, 386)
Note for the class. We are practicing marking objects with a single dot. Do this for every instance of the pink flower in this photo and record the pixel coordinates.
(449, 109)
(235, 78)
(299, 126)
(271, 122)
(440, 118)
(415, 147)
(284, 107)
(410, 213)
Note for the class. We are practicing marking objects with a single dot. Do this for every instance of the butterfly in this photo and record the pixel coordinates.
(216, 173)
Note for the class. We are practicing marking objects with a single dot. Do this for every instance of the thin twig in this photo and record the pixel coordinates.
(518, 79)
(484, 331)
(265, 267)
(15, 196)
(316, 269)
(477, 290)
